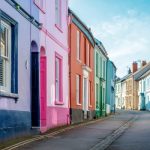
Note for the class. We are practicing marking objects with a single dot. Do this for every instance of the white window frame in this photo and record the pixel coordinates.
(57, 79)
(58, 13)
(78, 80)
(6, 87)
(78, 45)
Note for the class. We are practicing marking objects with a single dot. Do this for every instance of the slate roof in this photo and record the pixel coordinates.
(101, 47)
(145, 75)
(125, 77)
(141, 71)
(82, 26)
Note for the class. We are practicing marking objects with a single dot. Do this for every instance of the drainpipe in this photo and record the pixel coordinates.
(106, 85)
(30, 72)
(69, 70)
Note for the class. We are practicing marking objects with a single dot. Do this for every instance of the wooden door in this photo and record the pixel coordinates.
(43, 91)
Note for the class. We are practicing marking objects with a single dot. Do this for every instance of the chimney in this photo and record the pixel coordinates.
(143, 63)
(134, 67)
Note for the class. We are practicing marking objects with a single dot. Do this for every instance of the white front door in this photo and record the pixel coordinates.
(85, 97)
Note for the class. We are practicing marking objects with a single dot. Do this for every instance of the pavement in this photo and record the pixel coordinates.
(124, 131)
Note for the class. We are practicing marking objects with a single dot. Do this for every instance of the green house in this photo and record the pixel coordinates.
(100, 78)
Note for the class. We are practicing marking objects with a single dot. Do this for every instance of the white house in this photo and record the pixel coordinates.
(144, 91)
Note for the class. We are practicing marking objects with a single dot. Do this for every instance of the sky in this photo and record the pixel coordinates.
(123, 26)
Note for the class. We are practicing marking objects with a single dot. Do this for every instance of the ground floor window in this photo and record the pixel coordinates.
(78, 89)
(58, 78)
(8, 54)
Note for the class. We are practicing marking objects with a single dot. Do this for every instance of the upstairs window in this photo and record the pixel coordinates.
(58, 13)
(78, 45)
(97, 66)
(88, 55)
(104, 73)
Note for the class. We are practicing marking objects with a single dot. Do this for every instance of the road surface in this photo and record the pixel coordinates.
(128, 130)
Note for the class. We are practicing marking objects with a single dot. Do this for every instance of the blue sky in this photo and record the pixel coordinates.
(122, 25)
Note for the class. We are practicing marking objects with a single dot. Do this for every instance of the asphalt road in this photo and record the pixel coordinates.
(134, 136)
(137, 137)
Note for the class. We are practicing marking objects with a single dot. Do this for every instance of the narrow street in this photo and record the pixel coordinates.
(136, 137)
(127, 130)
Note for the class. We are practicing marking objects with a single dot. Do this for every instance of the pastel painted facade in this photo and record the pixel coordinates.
(123, 94)
(100, 78)
(52, 59)
(16, 32)
(118, 94)
(120, 91)
(144, 91)
(110, 93)
(81, 72)
(129, 91)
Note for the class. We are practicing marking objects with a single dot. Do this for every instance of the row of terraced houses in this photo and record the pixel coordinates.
(133, 90)
(53, 71)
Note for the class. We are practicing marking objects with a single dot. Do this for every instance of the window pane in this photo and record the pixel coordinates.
(87, 54)
(78, 45)
(58, 12)
(57, 69)
(4, 39)
(5, 61)
(77, 89)
(57, 78)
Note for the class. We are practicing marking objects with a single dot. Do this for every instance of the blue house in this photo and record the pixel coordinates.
(18, 34)
(110, 86)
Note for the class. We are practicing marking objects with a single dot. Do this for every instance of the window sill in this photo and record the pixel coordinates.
(78, 104)
(41, 9)
(9, 95)
(90, 106)
(59, 103)
(79, 61)
(85, 67)
(59, 28)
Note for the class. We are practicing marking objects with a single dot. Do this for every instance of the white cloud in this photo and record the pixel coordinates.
(126, 38)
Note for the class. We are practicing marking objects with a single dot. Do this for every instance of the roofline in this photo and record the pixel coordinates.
(144, 75)
(113, 63)
(141, 68)
(92, 40)
(101, 47)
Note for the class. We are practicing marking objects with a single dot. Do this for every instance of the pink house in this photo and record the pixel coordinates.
(53, 63)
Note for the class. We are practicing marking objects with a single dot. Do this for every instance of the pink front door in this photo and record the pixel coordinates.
(43, 92)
